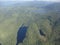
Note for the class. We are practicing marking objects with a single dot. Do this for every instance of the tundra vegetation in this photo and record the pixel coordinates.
(43, 24)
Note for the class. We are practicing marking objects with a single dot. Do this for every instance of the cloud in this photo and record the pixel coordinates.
(33, 0)
(50, 0)
(16, 0)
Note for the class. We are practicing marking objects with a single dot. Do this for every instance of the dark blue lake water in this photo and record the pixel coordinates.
(21, 34)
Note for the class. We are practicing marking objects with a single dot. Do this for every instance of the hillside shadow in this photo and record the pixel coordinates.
(0, 44)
